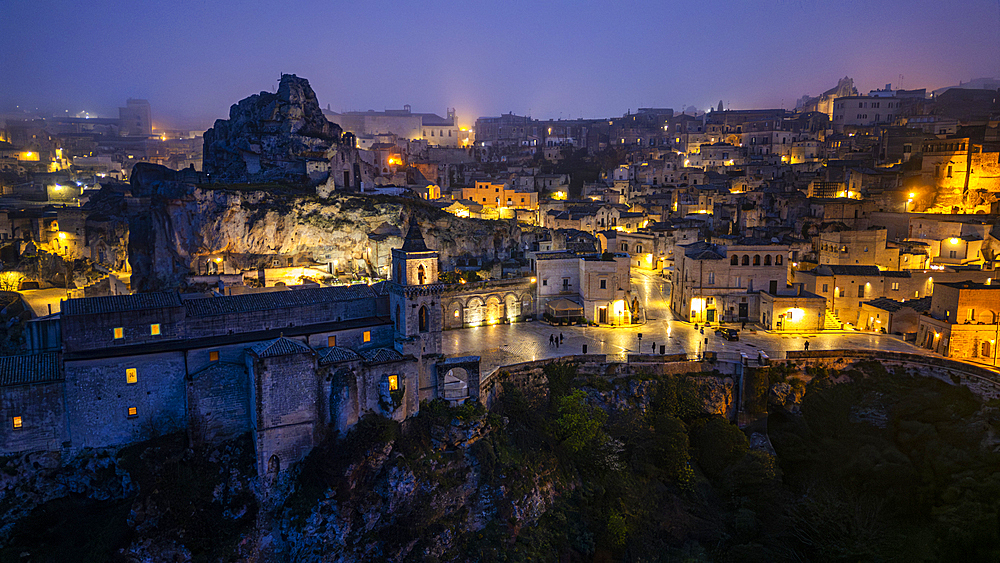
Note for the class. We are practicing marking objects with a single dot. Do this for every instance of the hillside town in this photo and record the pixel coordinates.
(292, 269)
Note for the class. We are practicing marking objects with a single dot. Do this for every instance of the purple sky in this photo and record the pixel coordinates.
(193, 59)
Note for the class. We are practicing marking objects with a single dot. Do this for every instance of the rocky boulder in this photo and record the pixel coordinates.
(269, 136)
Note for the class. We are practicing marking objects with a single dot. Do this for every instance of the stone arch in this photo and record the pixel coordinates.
(454, 314)
(273, 465)
(734, 261)
(423, 319)
(527, 305)
(746, 259)
(465, 371)
(779, 259)
(512, 307)
(494, 309)
(475, 311)
(421, 275)
(756, 259)
(767, 259)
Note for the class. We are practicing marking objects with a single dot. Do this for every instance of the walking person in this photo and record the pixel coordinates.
(560, 337)
(551, 339)
(654, 348)
(807, 345)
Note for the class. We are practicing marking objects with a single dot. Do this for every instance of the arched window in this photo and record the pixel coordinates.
(420, 274)
(746, 259)
(778, 259)
(734, 261)
(767, 259)
(756, 259)
(624, 247)
(422, 320)
(638, 249)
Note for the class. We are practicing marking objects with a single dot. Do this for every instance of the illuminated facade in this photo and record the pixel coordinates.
(490, 194)
(963, 322)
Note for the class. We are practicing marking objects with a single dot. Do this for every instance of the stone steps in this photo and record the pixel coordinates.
(832, 322)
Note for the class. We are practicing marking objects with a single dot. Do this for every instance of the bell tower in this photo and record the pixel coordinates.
(415, 302)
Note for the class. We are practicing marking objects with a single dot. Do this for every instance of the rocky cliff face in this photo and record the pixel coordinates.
(174, 229)
(268, 136)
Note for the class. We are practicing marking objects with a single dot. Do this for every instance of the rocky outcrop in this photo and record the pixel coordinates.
(705, 394)
(175, 227)
(786, 396)
(269, 136)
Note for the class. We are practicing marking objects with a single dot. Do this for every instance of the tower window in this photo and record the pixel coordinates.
(393, 382)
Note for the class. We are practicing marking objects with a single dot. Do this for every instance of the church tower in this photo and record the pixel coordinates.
(415, 303)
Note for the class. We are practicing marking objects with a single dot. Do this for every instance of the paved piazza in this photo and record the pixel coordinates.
(499, 345)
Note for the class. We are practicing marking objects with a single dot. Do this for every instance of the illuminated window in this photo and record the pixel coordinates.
(895, 286)
(119, 333)
(367, 336)
(131, 376)
(213, 356)
(17, 422)
(154, 329)
(456, 313)
(133, 411)
(331, 340)
(393, 382)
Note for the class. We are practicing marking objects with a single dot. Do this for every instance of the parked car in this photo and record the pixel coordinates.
(730, 334)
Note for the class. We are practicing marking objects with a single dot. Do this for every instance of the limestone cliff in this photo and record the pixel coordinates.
(175, 228)
(268, 136)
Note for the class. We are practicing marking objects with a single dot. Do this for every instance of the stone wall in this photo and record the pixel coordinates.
(40, 407)
(286, 406)
(98, 398)
(218, 408)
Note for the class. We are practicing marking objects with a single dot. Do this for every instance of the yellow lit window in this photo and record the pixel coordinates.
(133, 411)
(119, 333)
(213, 356)
(368, 336)
(131, 376)
(331, 340)
(393, 382)
(154, 329)
(17, 422)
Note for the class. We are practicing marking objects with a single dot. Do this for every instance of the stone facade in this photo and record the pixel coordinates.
(289, 366)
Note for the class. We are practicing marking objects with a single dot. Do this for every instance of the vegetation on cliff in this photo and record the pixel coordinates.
(878, 467)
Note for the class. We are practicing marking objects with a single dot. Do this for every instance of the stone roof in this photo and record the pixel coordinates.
(336, 354)
(897, 274)
(249, 302)
(29, 368)
(280, 346)
(381, 355)
(891, 305)
(414, 241)
(120, 303)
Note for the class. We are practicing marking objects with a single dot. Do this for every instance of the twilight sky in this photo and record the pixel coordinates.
(192, 59)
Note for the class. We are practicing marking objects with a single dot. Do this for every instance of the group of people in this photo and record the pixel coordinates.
(555, 340)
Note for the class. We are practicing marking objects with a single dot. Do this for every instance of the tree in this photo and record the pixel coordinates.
(580, 425)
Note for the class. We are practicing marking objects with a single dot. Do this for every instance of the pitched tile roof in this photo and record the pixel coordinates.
(280, 346)
(381, 355)
(249, 302)
(29, 368)
(120, 303)
(336, 354)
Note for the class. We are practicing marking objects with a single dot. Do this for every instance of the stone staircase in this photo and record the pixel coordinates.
(832, 322)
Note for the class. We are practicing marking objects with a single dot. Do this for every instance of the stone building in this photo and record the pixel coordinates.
(291, 366)
(717, 283)
(599, 283)
(963, 322)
